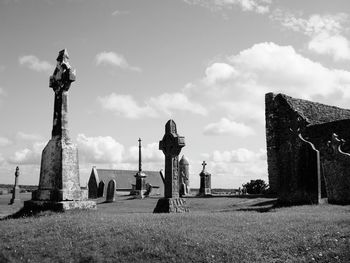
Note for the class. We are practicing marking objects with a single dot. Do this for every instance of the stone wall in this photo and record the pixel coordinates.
(292, 159)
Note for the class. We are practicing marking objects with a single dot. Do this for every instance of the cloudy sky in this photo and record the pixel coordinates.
(204, 63)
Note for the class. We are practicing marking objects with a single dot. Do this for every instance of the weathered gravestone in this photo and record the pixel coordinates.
(59, 184)
(16, 190)
(184, 176)
(93, 184)
(111, 188)
(205, 183)
(140, 188)
(336, 165)
(171, 145)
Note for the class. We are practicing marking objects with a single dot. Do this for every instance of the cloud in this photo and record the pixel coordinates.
(2, 159)
(28, 156)
(228, 127)
(120, 12)
(35, 64)
(167, 103)
(28, 137)
(235, 167)
(219, 72)
(257, 6)
(99, 149)
(114, 59)
(126, 106)
(325, 32)
(262, 68)
(241, 155)
(5, 141)
(150, 154)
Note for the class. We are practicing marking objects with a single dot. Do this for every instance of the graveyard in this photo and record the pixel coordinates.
(192, 189)
(61, 221)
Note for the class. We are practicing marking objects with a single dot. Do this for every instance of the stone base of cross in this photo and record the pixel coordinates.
(171, 205)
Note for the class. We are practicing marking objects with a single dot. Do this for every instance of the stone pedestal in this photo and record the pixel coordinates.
(171, 205)
(15, 195)
(16, 190)
(205, 182)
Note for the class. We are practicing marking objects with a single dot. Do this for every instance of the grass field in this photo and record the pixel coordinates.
(224, 229)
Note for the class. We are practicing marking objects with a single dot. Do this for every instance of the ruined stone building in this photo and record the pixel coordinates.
(307, 150)
(125, 181)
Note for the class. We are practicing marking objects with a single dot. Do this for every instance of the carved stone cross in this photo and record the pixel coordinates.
(60, 82)
(171, 145)
(204, 164)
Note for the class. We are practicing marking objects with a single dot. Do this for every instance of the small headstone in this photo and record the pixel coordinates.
(15, 192)
(205, 183)
(111, 188)
(93, 184)
(171, 145)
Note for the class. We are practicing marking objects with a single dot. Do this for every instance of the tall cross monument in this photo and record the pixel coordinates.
(59, 183)
(171, 145)
(140, 177)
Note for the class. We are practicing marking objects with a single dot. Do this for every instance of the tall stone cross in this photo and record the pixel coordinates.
(140, 177)
(60, 82)
(59, 183)
(140, 156)
(171, 145)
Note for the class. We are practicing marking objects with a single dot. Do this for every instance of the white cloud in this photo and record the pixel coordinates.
(126, 106)
(5, 141)
(99, 149)
(2, 159)
(262, 68)
(120, 12)
(228, 127)
(268, 67)
(34, 63)
(336, 46)
(114, 59)
(167, 103)
(325, 32)
(219, 72)
(257, 6)
(241, 155)
(28, 156)
(28, 137)
(150, 154)
(230, 169)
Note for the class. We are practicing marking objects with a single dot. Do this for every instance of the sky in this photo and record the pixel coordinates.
(206, 64)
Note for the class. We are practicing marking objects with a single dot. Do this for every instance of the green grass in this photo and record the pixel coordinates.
(214, 231)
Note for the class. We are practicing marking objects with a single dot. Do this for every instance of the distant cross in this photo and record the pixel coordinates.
(140, 156)
(204, 164)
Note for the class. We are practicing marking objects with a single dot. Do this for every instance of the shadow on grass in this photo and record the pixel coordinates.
(23, 212)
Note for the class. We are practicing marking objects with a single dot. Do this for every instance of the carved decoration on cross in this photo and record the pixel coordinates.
(204, 164)
(171, 143)
(63, 74)
(17, 171)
